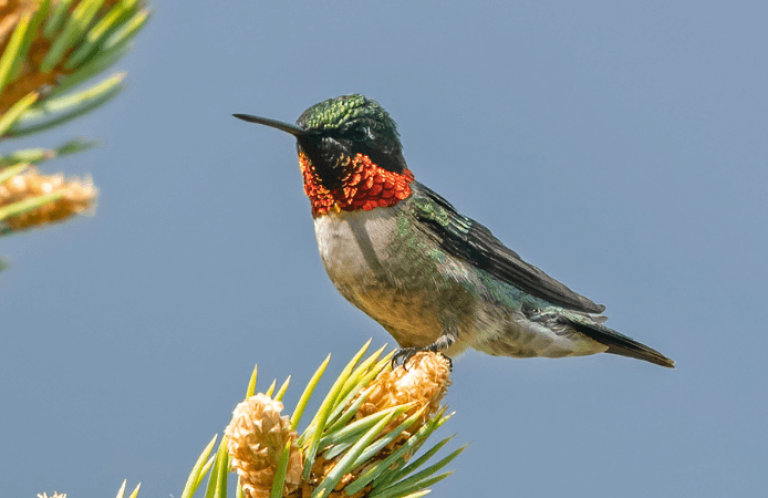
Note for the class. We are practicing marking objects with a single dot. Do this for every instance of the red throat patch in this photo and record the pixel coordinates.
(364, 186)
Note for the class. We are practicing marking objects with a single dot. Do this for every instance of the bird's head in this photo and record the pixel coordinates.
(350, 154)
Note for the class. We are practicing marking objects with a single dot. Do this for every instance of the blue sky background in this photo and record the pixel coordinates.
(620, 146)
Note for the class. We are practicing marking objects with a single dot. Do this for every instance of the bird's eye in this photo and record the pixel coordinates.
(358, 134)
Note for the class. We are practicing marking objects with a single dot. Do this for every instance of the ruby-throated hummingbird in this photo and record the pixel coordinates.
(433, 278)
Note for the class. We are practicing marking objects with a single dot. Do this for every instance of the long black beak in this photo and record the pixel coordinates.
(273, 123)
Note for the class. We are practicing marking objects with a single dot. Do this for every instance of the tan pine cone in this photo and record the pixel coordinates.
(257, 435)
(76, 196)
(423, 382)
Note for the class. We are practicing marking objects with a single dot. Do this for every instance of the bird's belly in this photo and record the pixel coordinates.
(413, 320)
(388, 284)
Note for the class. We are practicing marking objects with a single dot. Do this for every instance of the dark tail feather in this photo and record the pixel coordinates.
(621, 345)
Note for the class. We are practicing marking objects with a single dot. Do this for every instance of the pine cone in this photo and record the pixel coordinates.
(257, 435)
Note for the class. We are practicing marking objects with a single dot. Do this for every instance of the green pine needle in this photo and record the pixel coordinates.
(282, 468)
(13, 114)
(329, 402)
(352, 430)
(203, 472)
(20, 207)
(403, 490)
(75, 28)
(74, 106)
(222, 462)
(135, 492)
(196, 476)
(251, 390)
(72, 102)
(37, 18)
(38, 155)
(100, 62)
(350, 412)
(96, 36)
(399, 474)
(283, 388)
(220, 465)
(296, 417)
(128, 30)
(357, 379)
(13, 51)
(424, 474)
(345, 465)
(121, 491)
(336, 450)
(271, 389)
(373, 449)
(382, 470)
(56, 18)
(418, 494)
(317, 426)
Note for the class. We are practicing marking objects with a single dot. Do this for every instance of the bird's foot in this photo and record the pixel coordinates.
(404, 355)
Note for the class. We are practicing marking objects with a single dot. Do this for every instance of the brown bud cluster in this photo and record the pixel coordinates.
(257, 435)
(423, 381)
(76, 196)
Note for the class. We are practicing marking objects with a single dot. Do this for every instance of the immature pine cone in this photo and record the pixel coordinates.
(257, 435)
(423, 382)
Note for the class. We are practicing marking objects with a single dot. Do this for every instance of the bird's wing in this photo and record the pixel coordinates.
(467, 239)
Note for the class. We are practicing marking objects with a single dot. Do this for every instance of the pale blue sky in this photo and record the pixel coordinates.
(620, 146)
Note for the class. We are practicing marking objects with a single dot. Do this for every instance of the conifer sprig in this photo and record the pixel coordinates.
(360, 443)
(49, 51)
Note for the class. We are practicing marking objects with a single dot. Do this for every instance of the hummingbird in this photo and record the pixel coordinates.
(435, 279)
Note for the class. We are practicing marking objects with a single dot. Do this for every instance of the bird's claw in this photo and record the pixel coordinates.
(404, 355)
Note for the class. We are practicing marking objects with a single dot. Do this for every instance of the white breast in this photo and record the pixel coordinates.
(352, 243)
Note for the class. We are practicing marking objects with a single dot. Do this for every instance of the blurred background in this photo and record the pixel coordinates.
(619, 146)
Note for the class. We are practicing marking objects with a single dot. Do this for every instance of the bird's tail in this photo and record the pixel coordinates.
(619, 343)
